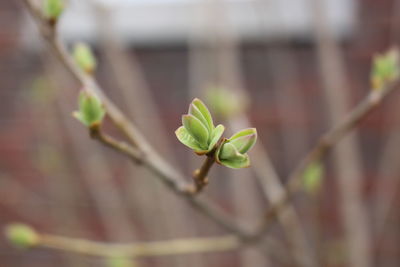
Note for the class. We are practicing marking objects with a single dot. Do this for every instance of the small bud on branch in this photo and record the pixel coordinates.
(91, 111)
(198, 131)
(22, 235)
(233, 151)
(84, 58)
(52, 10)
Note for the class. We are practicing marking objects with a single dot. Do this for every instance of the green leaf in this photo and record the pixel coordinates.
(244, 140)
(312, 177)
(228, 151)
(196, 129)
(84, 58)
(21, 235)
(236, 164)
(185, 138)
(193, 110)
(91, 110)
(204, 111)
(216, 135)
(243, 132)
(52, 9)
(228, 155)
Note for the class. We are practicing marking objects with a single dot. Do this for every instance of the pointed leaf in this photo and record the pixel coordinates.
(216, 135)
(244, 143)
(193, 110)
(84, 58)
(243, 132)
(237, 164)
(185, 138)
(196, 129)
(90, 109)
(227, 151)
(204, 111)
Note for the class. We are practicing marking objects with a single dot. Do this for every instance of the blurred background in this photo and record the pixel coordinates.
(290, 68)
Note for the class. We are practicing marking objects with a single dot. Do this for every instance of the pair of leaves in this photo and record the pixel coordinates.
(198, 131)
(91, 110)
(233, 151)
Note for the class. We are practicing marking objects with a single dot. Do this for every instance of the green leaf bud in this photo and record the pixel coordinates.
(198, 131)
(91, 111)
(233, 151)
(244, 140)
(21, 235)
(385, 68)
(312, 177)
(226, 103)
(52, 10)
(84, 58)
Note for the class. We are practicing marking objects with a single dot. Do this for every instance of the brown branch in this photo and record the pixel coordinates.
(150, 159)
(200, 175)
(136, 250)
(321, 148)
(119, 146)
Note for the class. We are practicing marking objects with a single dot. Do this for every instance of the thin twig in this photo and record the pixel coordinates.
(136, 250)
(200, 175)
(320, 149)
(119, 146)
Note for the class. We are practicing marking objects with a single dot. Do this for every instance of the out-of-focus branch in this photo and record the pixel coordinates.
(136, 250)
(346, 155)
(322, 147)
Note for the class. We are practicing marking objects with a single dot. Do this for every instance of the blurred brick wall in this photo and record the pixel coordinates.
(168, 85)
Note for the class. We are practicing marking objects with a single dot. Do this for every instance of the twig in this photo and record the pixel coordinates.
(320, 149)
(119, 146)
(136, 250)
(152, 160)
(200, 175)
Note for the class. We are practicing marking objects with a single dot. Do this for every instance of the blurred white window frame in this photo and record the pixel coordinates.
(176, 21)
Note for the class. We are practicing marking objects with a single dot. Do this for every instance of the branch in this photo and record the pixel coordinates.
(136, 250)
(119, 146)
(150, 159)
(321, 148)
(200, 175)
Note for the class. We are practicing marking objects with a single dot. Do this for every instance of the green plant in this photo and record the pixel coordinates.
(84, 58)
(91, 111)
(21, 235)
(233, 151)
(199, 133)
(52, 9)
(385, 68)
